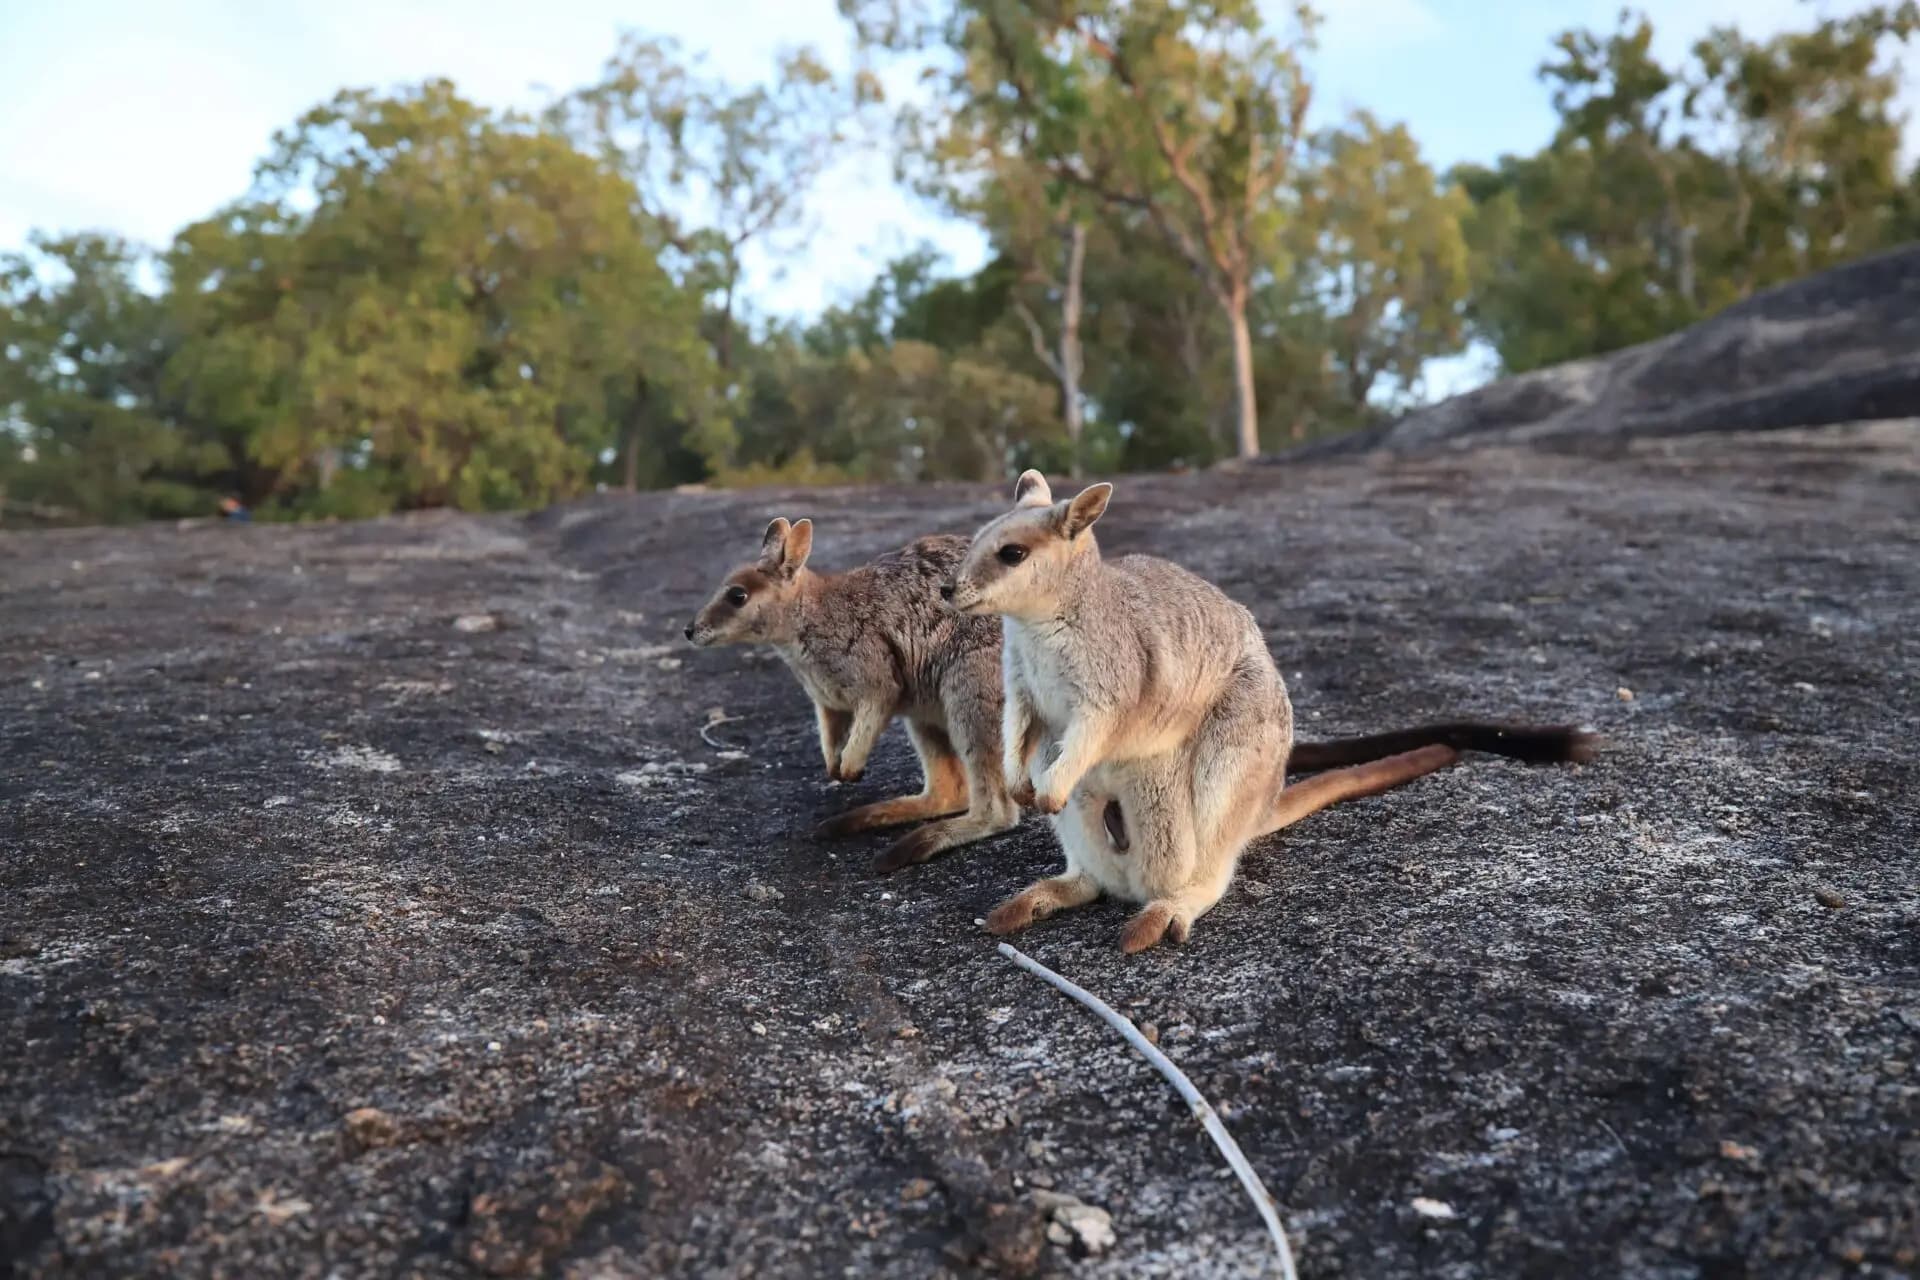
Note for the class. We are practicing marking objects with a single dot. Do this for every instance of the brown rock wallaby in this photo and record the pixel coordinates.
(1143, 710)
(870, 644)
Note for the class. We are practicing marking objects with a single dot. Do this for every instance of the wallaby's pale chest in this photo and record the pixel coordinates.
(820, 685)
(1055, 686)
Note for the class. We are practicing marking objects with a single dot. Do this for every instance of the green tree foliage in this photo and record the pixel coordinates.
(718, 168)
(1669, 192)
(1186, 113)
(86, 425)
(424, 302)
(1379, 254)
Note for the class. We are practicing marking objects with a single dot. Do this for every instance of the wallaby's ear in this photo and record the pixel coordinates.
(785, 547)
(773, 543)
(1032, 491)
(799, 547)
(1084, 509)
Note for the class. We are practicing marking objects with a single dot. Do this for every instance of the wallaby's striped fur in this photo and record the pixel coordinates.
(870, 644)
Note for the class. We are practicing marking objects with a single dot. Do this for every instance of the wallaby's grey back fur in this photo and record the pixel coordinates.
(870, 644)
(1145, 712)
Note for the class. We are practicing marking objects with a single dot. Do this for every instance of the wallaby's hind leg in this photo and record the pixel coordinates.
(1298, 799)
(1171, 918)
(1195, 817)
(945, 790)
(1184, 869)
(1039, 900)
(974, 728)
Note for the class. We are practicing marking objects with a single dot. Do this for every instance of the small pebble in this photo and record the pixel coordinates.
(1439, 1210)
(1829, 897)
(1623, 693)
(369, 1127)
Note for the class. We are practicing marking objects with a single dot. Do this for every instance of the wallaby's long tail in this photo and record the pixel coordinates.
(1534, 744)
(1310, 795)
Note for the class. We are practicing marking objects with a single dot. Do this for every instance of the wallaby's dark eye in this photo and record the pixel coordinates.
(1012, 553)
(736, 596)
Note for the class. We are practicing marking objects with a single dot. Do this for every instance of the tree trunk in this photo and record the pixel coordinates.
(1071, 354)
(630, 459)
(723, 348)
(326, 465)
(1248, 432)
(636, 424)
(1689, 289)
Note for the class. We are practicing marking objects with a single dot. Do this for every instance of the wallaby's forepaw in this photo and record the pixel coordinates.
(840, 773)
(1155, 923)
(1049, 802)
(914, 847)
(1022, 793)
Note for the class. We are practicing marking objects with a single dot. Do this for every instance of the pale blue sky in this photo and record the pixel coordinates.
(140, 117)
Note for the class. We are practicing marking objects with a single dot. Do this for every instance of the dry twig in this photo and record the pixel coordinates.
(1209, 1118)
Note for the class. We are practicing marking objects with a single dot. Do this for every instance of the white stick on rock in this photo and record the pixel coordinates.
(1209, 1118)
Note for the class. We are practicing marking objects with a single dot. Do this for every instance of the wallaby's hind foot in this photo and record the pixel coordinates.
(1156, 921)
(938, 837)
(888, 813)
(1170, 918)
(1039, 900)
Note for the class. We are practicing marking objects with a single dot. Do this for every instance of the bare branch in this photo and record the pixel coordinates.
(1039, 338)
(1224, 258)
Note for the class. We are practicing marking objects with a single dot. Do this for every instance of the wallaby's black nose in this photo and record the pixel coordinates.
(689, 633)
(946, 590)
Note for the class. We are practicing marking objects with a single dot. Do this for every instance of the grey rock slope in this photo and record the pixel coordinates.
(371, 905)
(1842, 346)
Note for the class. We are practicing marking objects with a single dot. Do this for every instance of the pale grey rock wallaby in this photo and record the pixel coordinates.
(870, 644)
(1144, 712)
